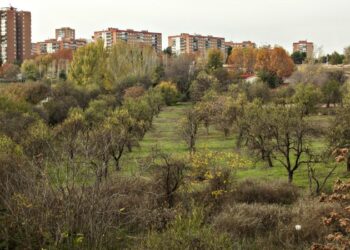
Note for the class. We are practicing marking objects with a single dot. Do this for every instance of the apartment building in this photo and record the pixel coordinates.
(15, 35)
(65, 33)
(65, 39)
(304, 46)
(143, 38)
(244, 44)
(51, 46)
(195, 44)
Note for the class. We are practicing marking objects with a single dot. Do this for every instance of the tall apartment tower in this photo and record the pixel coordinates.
(65, 33)
(194, 44)
(15, 35)
(142, 38)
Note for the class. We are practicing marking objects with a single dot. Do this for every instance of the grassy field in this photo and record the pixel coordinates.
(164, 136)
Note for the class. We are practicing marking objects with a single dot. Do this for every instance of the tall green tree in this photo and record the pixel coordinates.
(131, 63)
(88, 67)
(215, 59)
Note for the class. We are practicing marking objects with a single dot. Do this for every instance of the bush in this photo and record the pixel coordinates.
(169, 92)
(57, 109)
(251, 220)
(96, 217)
(253, 191)
(272, 226)
(29, 92)
(187, 232)
(134, 92)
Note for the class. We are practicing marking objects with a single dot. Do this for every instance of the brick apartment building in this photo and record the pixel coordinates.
(65, 39)
(244, 44)
(65, 33)
(304, 46)
(195, 44)
(143, 38)
(15, 35)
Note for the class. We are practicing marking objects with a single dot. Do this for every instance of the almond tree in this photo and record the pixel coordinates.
(290, 134)
(255, 127)
(188, 129)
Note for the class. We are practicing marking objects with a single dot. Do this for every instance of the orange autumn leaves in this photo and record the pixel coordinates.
(250, 60)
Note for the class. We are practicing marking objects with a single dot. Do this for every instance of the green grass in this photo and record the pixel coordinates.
(164, 136)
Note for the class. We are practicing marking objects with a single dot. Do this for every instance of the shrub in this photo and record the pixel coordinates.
(251, 220)
(29, 92)
(187, 232)
(71, 216)
(253, 191)
(57, 109)
(169, 92)
(134, 92)
(9, 71)
(272, 226)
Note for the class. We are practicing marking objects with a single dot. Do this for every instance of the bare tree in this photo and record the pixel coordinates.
(188, 129)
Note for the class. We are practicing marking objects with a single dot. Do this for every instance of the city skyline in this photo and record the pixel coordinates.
(280, 22)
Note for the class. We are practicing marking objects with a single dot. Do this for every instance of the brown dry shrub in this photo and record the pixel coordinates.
(134, 92)
(80, 217)
(32, 92)
(272, 226)
(251, 220)
(255, 191)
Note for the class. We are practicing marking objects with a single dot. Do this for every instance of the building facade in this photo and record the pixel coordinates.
(51, 46)
(195, 44)
(15, 35)
(244, 44)
(65, 33)
(304, 46)
(143, 38)
(65, 39)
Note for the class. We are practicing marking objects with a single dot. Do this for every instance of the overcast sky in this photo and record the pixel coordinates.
(324, 22)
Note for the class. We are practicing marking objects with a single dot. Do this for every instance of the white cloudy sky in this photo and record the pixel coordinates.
(325, 22)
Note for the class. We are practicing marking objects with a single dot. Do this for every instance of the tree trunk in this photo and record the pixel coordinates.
(117, 164)
(170, 198)
(192, 144)
(290, 176)
(267, 157)
(105, 170)
(129, 145)
(239, 139)
(207, 128)
(117, 159)
(226, 132)
(269, 161)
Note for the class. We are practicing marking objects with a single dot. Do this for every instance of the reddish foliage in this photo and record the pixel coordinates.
(134, 92)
